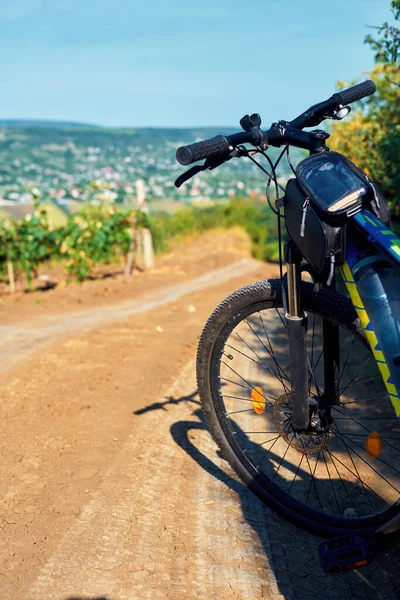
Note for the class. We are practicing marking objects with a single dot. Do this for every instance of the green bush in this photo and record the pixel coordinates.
(102, 234)
(27, 243)
(256, 219)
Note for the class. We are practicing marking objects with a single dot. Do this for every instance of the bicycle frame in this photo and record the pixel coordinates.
(383, 239)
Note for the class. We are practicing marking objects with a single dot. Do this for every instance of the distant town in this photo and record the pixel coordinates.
(69, 164)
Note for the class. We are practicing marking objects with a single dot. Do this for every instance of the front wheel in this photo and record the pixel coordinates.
(342, 480)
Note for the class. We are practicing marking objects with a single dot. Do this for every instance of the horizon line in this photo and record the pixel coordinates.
(100, 126)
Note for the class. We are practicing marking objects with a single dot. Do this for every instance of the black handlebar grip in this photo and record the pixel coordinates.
(356, 92)
(185, 155)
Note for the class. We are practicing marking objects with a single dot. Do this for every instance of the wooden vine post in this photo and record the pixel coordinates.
(11, 278)
(8, 240)
(144, 240)
(147, 248)
(132, 244)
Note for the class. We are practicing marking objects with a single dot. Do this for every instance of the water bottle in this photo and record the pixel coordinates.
(379, 288)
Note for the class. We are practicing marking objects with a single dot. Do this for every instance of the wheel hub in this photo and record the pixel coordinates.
(312, 441)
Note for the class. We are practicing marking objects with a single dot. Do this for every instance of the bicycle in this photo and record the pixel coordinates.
(290, 389)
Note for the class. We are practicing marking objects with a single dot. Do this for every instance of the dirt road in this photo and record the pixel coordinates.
(111, 486)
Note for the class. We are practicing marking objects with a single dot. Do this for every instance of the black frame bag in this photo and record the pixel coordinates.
(328, 191)
(322, 245)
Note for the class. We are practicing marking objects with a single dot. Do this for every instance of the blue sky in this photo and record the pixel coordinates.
(177, 62)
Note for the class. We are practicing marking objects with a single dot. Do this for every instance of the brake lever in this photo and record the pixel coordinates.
(188, 175)
(213, 163)
(210, 163)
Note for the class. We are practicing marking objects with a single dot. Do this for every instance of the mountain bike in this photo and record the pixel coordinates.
(299, 377)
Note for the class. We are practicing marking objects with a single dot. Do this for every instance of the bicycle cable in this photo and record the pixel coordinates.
(285, 150)
(289, 159)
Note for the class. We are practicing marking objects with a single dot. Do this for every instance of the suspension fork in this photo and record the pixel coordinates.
(331, 347)
(296, 322)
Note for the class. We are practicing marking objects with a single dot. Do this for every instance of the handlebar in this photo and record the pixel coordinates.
(214, 147)
(280, 133)
(186, 155)
(356, 92)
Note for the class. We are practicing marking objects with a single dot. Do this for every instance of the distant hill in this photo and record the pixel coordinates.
(64, 159)
(73, 125)
(44, 131)
(43, 124)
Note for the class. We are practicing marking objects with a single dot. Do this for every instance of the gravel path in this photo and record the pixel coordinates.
(170, 520)
(111, 486)
(17, 343)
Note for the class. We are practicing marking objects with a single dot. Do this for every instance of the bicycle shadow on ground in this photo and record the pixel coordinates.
(169, 400)
(293, 553)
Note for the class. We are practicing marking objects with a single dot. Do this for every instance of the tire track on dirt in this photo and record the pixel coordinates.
(204, 550)
(234, 564)
(18, 342)
(118, 525)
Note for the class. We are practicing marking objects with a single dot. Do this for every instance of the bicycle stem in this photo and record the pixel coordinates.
(296, 322)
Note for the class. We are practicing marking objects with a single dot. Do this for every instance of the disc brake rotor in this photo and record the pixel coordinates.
(304, 442)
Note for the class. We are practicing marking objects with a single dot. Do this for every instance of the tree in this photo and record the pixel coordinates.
(387, 46)
(371, 136)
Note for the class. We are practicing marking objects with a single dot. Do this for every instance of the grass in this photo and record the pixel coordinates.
(254, 217)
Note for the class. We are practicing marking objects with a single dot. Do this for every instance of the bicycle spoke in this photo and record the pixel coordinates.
(313, 377)
(383, 437)
(330, 479)
(342, 391)
(312, 480)
(355, 468)
(350, 471)
(271, 349)
(281, 318)
(285, 388)
(364, 418)
(238, 398)
(366, 428)
(252, 359)
(268, 441)
(346, 360)
(319, 358)
(266, 406)
(265, 456)
(344, 486)
(257, 432)
(263, 365)
(364, 400)
(235, 383)
(377, 458)
(251, 387)
(312, 353)
(297, 470)
(282, 459)
(235, 412)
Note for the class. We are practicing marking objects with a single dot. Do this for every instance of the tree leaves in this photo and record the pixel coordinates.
(371, 136)
(387, 46)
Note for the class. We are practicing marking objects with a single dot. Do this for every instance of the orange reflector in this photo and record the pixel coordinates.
(374, 444)
(359, 563)
(257, 396)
